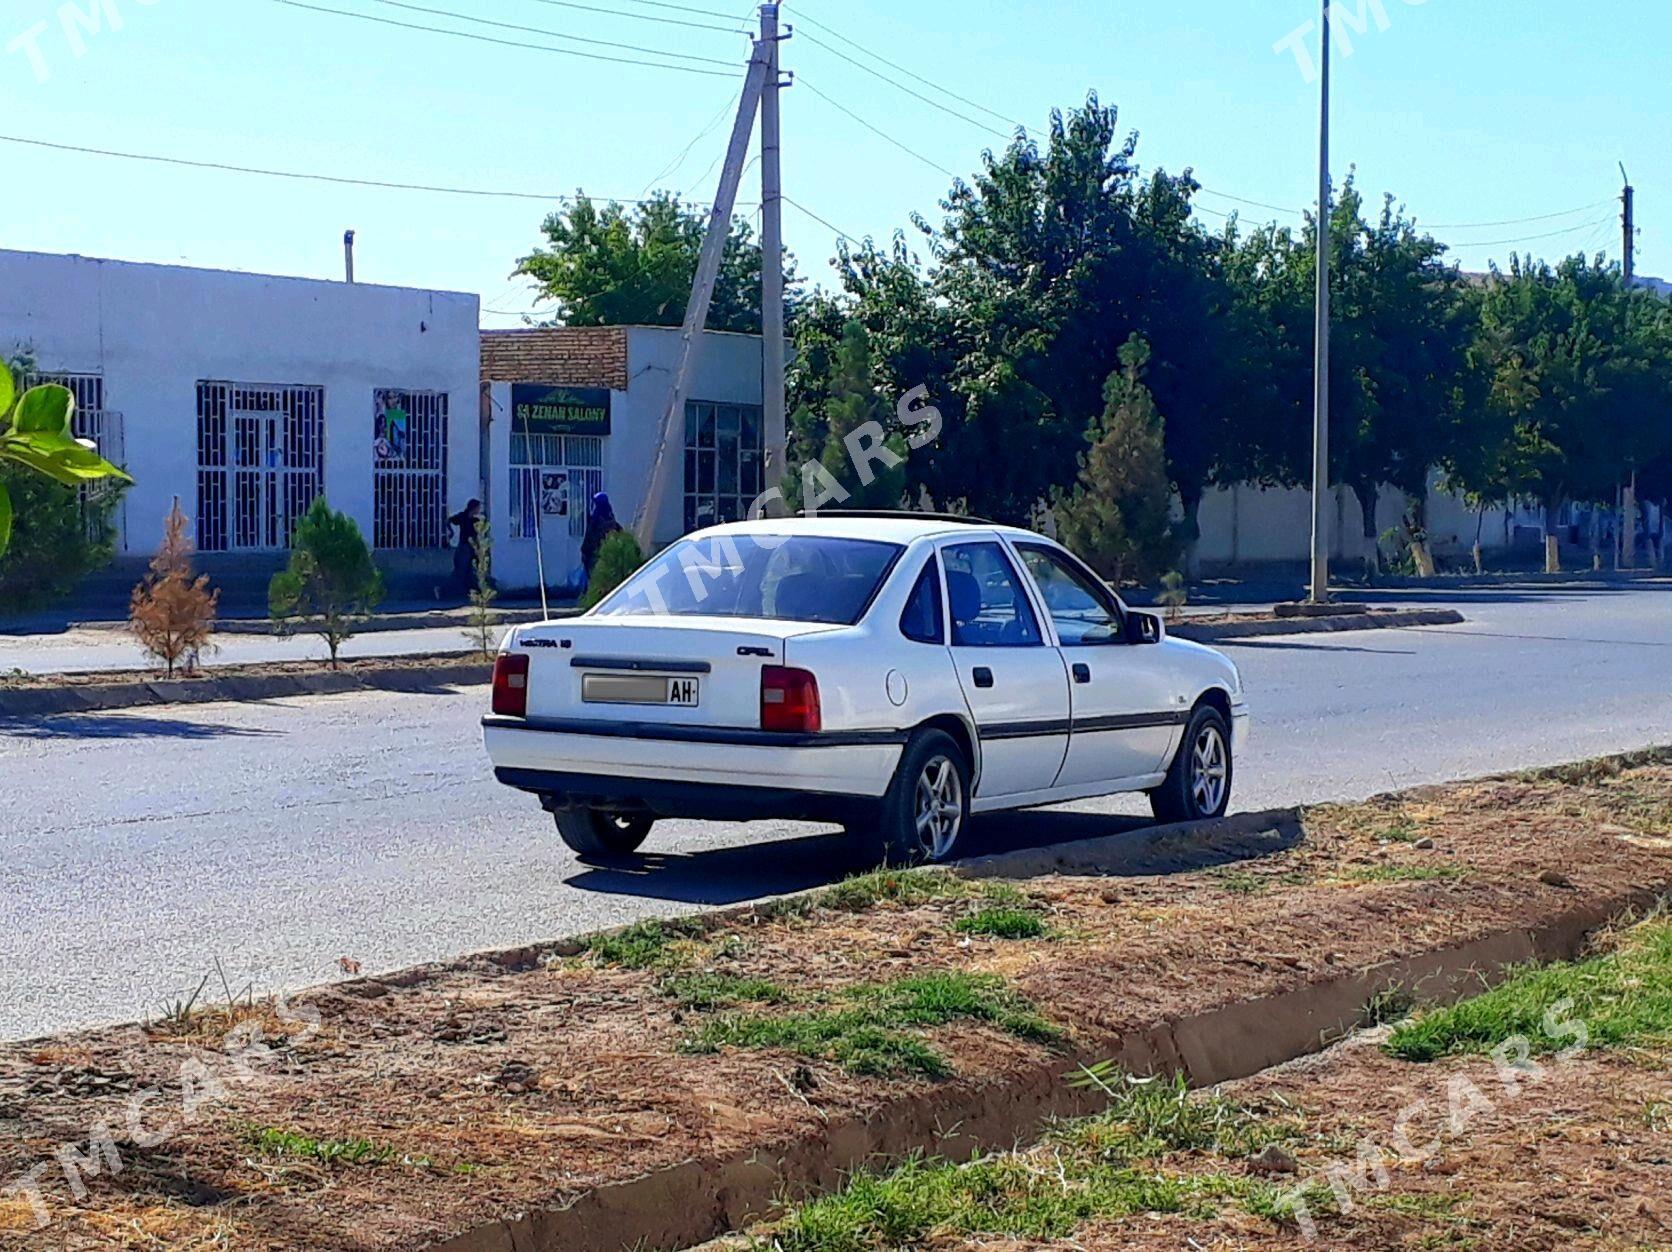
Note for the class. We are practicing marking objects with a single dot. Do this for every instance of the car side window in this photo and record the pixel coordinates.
(922, 620)
(1083, 611)
(989, 606)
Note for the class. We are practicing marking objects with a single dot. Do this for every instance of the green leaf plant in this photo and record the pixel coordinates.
(35, 433)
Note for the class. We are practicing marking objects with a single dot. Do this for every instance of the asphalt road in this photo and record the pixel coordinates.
(137, 848)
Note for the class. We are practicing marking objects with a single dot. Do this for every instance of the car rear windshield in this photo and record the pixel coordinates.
(792, 578)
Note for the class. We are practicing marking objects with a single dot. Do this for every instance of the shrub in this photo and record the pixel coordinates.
(618, 560)
(172, 613)
(483, 593)
(330, 581)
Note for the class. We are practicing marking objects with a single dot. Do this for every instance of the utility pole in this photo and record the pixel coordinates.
(1628, 201)
(1320, 399)
(772, 259)
(702, 293)
(1625, 549)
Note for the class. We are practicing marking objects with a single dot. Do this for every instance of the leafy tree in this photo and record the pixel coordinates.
(483, 593)
(330, 582)
(852, 436)
(172, 613)
(619, 558)
(617, 266)
(1117, 515)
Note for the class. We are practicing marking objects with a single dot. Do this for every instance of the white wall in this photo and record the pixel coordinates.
(1247, 525)
(154, 331)
(726, 370)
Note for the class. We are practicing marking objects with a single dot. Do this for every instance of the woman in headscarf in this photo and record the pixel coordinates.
(600, 522)
(464, 554)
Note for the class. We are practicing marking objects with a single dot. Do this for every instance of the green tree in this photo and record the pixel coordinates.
(1117, 515)
(852, 436)
(619, 558)
(618, 266)
(331, 581)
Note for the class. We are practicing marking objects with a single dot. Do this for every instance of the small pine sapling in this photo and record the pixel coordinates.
(482, 618)
(331, 581)
(171, 613)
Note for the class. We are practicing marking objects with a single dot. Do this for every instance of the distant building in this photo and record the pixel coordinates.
(572, 411)
(247, 395)
(1660, 286)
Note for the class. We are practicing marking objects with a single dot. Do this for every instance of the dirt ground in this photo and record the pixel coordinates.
(384, 1113)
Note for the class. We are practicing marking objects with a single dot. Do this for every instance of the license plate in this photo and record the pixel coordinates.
(639, 689)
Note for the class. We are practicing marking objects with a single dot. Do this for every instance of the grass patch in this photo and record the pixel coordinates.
(711, 990)
(893, 886)
(1623, 997)
(1407, 873)
(1002, 922)
(1149, 1118)
(273, 1141)
(870, 1030)
(643, 945)
(1094, 1168)
(1243, 883)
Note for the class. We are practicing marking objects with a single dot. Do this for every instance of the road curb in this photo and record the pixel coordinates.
(22, 702)
(1373, 620)
(702, 1199)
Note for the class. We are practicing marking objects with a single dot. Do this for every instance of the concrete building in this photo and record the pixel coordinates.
(246, 395)
(574, 411)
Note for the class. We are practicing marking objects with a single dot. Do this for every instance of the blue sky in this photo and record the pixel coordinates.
(1470, 111)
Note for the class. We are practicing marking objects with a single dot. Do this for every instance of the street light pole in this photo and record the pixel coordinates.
(1320, 400)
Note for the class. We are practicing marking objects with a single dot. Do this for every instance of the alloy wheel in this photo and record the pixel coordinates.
(1209, 768)
(939, 807)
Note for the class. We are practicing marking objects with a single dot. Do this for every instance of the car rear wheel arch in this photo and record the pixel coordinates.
(958, 730)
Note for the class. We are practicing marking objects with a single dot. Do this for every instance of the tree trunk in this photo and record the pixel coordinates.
(1552, 541)
(1416, 530)
(1190, 528)
(1365, 494)
(1596, 538)
(1480, 525)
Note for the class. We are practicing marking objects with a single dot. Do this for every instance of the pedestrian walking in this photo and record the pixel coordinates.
(464, 552)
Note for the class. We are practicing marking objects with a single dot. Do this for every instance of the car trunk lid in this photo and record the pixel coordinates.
(681, 671)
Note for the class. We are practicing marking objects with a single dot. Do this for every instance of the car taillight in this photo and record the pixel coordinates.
(789, 700)
(510, 684)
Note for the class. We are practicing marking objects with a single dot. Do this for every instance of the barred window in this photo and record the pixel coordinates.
(260, 462)
(409, 476)
(556, 475)
(724, 452)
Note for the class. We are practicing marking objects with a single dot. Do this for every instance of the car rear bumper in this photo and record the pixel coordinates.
(670, 769)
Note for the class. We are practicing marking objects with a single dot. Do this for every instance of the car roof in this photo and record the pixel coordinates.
(902, 528)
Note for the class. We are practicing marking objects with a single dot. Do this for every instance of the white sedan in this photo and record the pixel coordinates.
(892, 673)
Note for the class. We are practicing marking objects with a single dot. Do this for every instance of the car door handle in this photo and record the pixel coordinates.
(1082, 672)
(982, 675)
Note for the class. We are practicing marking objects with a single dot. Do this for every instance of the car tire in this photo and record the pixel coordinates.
(1198, 783)
(927, 806)
(596, 833)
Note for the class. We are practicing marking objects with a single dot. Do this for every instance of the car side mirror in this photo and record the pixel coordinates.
(1143, 628)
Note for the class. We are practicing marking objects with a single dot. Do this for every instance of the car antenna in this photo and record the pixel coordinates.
(539, 546)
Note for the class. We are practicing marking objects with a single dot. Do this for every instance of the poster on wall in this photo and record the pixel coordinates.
(554, 493)
(390, 426)
(537, 409)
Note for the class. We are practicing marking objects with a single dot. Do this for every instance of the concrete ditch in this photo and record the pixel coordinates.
(701, 1199)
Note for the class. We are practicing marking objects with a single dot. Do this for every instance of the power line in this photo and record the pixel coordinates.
(677, 8)
(835, 34)
(822, 222)
(644, 17)
(303, 176)
(554, 34)
(1518, 221)
(1258, 204)
(917, 95)
(505, 43)
(882, 134)
(1498, 243)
